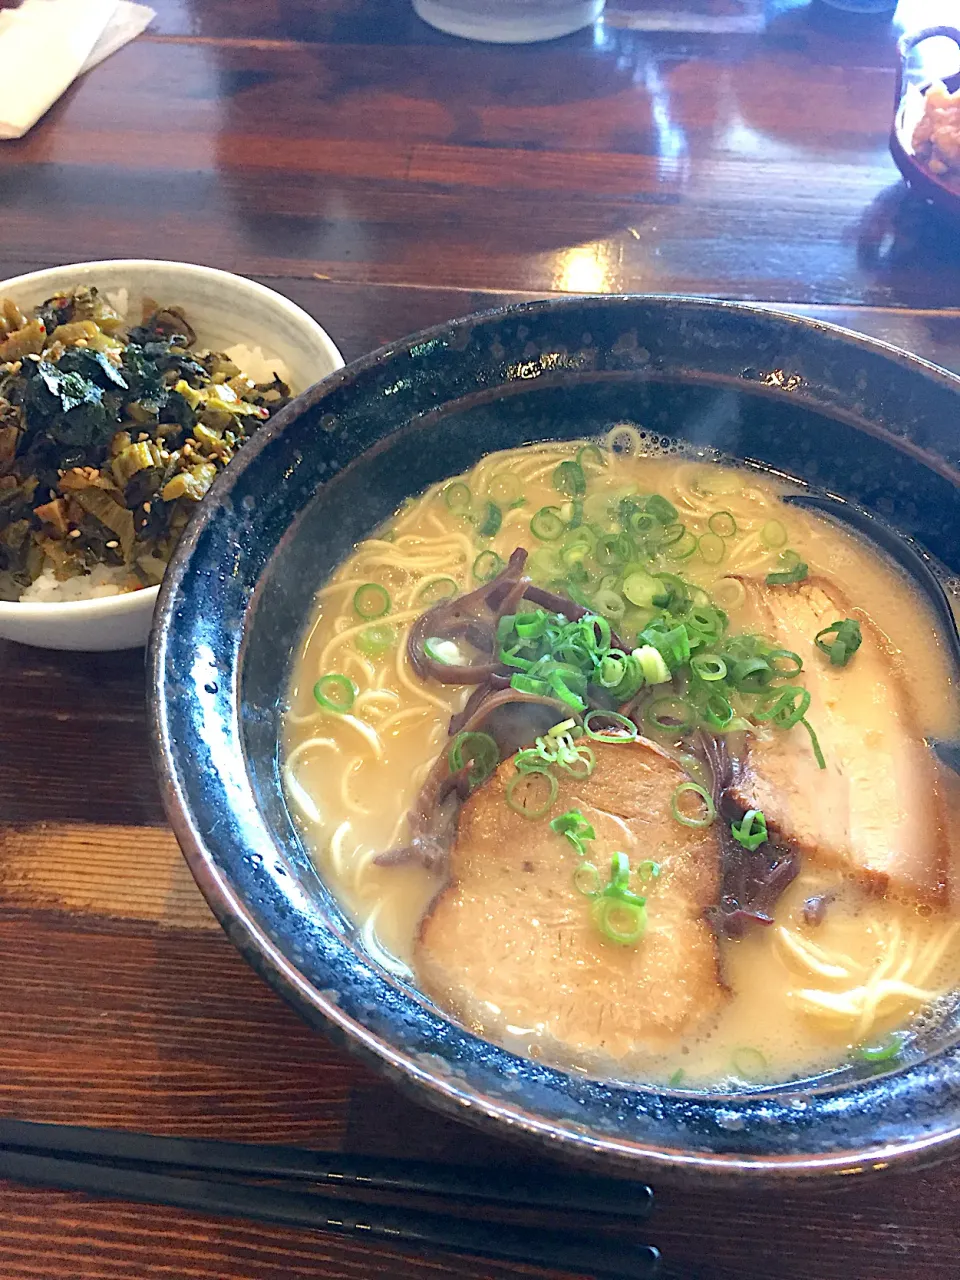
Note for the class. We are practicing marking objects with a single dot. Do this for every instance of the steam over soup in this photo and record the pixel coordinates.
(624, 762)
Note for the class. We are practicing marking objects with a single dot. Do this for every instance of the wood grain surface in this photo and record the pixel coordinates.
(387, 178)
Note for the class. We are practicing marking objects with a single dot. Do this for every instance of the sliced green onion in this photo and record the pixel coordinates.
(609, 603)
(478, 750)
(670, 715)
(773, 535)
(641, 589)
(683, 548)
(622, 922)
(458, 497)
(487, 565)
(729, 593)
(885, 1050)
(528, 761)
(569, 480)
(375, 640)
(529, 684)
(563, 727)
(671, 533)
(794, 570)
(815, 743)
(750, 675)
(641, 523)
(591, 458)
(660, 509)
(624, 726)
(371, 601)
(586, 879)
(777, 657)
(706, 620)
(722, 524)
(437, 589)
(649, 869)
(489, 520)
(783, 707)
(537, 791)
(577, 760)
(574, 828)
(335, 693)
(686, 819)
(847, 638)
(718, 711)
(751, 830)
(652, 665)
(712, 548)
(676, 1078)
(611, 671)
(708, 666)
(445, 651)
(750, 1063)
(547, 524)
(505, 489)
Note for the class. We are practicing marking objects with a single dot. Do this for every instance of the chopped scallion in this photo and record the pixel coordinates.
(547, 524)
(751, 830)
(773, 535)
(375, 640)
(478, 750)
(815, 743)
(722, 524)
(335, 693)
(445, 651)
(708, 666)
(688, 820)
(846, 640)
(621, 922)
(371, 601)
(532, 792)
(569, 479)
(711, 547)
(794, 570)
(458, 498)
(487, 565)
(489, 520)
(617, 728)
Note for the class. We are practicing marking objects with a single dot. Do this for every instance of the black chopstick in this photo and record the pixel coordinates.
(595, 1256)
(586, 1193)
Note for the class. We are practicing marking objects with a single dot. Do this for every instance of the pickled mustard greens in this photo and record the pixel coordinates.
(619, 703)
(109, 437)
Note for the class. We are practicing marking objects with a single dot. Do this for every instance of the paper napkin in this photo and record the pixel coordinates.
(46, 44)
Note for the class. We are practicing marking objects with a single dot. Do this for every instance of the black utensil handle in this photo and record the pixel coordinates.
(530, 1188)
(580, 1254)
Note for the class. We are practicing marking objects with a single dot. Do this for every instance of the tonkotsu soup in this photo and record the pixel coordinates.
(623, 762)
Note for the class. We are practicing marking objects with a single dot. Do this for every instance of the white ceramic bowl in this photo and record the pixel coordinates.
(224, 310)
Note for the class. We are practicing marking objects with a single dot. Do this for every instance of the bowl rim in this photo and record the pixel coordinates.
(130, 601)
(320, 1008)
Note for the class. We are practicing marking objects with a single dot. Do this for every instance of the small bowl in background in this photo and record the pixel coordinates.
(932, 188)
(225, 311)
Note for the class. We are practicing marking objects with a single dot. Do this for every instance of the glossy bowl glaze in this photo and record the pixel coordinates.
(225, 310)
(845, 414)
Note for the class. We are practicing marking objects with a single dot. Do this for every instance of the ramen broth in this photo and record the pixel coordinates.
(801, 995)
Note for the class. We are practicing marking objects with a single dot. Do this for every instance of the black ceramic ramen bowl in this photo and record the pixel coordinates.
(844, 414)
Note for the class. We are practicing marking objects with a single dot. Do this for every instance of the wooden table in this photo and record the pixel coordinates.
(386, 178)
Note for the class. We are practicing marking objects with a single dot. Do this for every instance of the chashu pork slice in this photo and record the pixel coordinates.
(510, 944)
(876, 808)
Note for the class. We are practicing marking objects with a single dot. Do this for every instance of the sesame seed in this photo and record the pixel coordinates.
(147, 508)
(142, 436)
(74, 533)
(113, 543)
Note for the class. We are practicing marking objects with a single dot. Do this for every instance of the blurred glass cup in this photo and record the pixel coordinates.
(509, 21)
